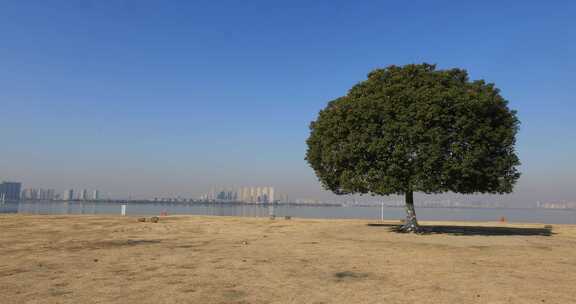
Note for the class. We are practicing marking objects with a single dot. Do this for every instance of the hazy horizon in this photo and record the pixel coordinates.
(155, 99)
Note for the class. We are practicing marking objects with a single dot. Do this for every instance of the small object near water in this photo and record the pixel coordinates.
(154, 219)
(272, 217)
(287, 217)
(244, 243)
(503, 219)
(142, 219)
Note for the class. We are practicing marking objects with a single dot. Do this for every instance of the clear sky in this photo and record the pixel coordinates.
(171, 97)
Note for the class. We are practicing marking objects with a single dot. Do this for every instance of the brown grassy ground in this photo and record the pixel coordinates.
(194, 259)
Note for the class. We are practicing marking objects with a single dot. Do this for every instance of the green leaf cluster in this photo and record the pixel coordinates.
(416, 128)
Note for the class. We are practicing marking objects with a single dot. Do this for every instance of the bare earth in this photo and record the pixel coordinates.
(196, 259)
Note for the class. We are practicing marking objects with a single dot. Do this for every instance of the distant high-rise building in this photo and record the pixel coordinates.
(240, 194)
(259, 194)
(47, 194)
(270, 194)
(68, 195)
(83, 195)
(10, 191)
(212, 194)
(95, 195)
(246, 194)
(28, 194)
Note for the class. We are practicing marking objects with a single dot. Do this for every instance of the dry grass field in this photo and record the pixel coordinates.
(197, 259)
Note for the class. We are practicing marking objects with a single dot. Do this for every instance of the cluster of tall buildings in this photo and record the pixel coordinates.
(83, 195)
(262, 195)
(68, 195)
(39, 194)
(256, 194)
(556, 205)
(10, 191)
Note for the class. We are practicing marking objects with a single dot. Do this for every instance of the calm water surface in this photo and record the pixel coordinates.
(548, 216)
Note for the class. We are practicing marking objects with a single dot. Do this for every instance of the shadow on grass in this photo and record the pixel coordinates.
(473, 230)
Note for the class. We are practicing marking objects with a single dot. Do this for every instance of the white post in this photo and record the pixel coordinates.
(382, 213)
(123, 211)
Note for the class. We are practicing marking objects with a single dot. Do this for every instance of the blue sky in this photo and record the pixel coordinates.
(171, 97)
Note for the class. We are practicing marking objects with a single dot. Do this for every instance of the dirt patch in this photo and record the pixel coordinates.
(234, 294)
(350, 275)
(111, 244)
(11, 272)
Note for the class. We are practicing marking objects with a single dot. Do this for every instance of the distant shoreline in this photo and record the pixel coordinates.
(292, 204)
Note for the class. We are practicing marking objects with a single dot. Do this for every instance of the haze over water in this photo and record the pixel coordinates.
(151, 99)
(547, 216)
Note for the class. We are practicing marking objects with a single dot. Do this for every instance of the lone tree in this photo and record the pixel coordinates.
(414, 128)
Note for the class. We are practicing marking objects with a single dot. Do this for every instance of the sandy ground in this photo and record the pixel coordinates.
(195, 259)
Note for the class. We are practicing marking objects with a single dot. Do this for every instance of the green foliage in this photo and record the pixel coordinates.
(416, 128)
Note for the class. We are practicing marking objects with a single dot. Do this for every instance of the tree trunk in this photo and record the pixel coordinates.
(411, 224)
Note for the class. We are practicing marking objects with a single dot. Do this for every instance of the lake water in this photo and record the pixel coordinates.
(548, 216)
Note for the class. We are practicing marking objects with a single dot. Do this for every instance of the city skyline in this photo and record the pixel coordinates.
(268, 194)
(224, 94)
(503, 200)
(250, 194)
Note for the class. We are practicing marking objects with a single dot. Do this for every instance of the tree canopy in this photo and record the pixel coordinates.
(415, 128)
